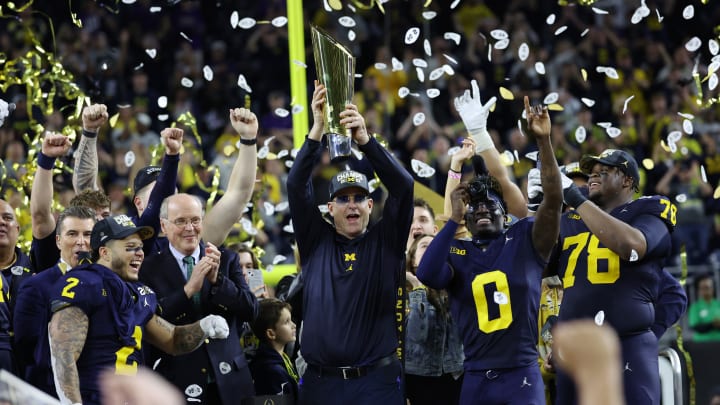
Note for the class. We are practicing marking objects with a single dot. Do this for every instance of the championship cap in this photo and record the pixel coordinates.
(347, 179)
(616, 158)
(144, 177)
(573, 170)
(116, 227)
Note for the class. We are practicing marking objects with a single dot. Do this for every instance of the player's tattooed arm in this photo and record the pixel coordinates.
(174, 339)
(68, 330)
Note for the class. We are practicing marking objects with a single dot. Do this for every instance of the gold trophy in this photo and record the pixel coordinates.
(335, 68)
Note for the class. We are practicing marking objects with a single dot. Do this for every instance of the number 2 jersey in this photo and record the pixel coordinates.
(494, 293)
(601, 286)
(117, 312)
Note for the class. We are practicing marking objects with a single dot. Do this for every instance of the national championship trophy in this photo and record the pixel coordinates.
(335, 67)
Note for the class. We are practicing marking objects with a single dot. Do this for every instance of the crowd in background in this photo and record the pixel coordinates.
(151, 66)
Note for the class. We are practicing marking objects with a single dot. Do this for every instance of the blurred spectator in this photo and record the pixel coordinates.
(704, 314)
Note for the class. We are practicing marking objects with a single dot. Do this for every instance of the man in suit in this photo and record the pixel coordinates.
(189, 287)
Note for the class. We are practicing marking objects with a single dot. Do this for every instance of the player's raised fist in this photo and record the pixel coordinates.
(94, 116)
(172, 140)
(245, 122)
(55, 145)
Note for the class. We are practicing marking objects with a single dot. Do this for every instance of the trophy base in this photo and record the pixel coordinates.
(339, 147)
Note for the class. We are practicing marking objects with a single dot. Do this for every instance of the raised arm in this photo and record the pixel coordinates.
(434, 271)
(54, 145)
(474, 115)
(176, 340)
(546, 228)
(86, 159)
(68, 330)
(219, 220)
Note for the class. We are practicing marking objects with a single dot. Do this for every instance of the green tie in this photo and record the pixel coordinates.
(189, 262)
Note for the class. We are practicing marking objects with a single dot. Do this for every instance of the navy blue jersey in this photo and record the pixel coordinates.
(601, 286)
(494, 293)
(350, 286)
(30, 320)
(117, 312)
(5, 315)
(44, 252)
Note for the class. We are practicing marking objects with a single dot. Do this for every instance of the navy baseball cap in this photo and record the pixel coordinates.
(144, 177)
(616, 158)
(347, 179)
(116, 227)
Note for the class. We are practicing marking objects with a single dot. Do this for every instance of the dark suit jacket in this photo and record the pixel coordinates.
(218, 360)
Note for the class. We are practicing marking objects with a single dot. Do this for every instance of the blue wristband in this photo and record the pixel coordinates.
(46, 162)
(89, 134)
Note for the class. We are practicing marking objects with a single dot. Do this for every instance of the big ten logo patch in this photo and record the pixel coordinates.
(399, 317)
(454, 250)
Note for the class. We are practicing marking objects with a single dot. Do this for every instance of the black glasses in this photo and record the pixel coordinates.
(489, 205)
(183, 222)
(345, 199)
(133, 249)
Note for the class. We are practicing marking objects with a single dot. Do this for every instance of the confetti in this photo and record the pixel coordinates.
(523, 51)
(412, 35)
(499, 34)
(506, 94)
(182, 34)
(599, 11)
(713, 82)
(208, 73)
(693, 44)
(426, 48)
(152, 53)
(419, 119)
(687, 126)
(659, 17)
(422, 169)
(502, 44)
(613, 132)
(452, 36)
(380, 66)
(289, 227)
(396, 64)
(605, 125)
(420, 62)
(454, 4)
(580, 134)
(688, 12)
(234, 19)
(560, 30)
(162, 101)
(429, 15)
(242, 83)
(269, 208)
(279, 22)
(420, 74)
(600, 318)
(186, 82)
(129, 158)
(436, 73)
(585, 32)
(500, 298)
(703, 174)
(351, 35)
(625, 104)
(713, 47)
(347, 22)
(155, 9)
(247, 23)
(403, 92)
(550, 20)
(634, 255)
(450, 59)
(551, 98)
(540, 68)
(681, 198)
(281, 112)
(163, 117)
(297, 109)
(449, 70)
(648, 164)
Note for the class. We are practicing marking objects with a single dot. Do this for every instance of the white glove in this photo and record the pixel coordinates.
(215, 327)
(474, 115)
(534, 189)
(566, 181)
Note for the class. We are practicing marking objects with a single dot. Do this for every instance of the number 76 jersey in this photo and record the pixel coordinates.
(598, 284)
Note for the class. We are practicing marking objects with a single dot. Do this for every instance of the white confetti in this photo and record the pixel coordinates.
(659, 17)
(560, 30)
(703, 175)
(625, 104)
(454, 4)
(128, 1)
(429, 15)
(17, 270)
(550, 20)
(289, 227)
(284, 205)
(193, 390)
(403, 92)
(155, 9)
(281, 112)
(688, 127)
(248, 226)
(420, 62)
(540, 68)
(688, 12)
(162, 101)
(187, 38)
(452, 36)
(588, 101)
(693, 44)
(714, 66)
(347, 22)
(163, 117)
(580, 134)
(585, 32)
(224, 367)
(263, 152)
(713, 82)
(426, 48)
(450, 59)
(152, 53)
(532, 156)
(129, 158)
(351, 35)
(243, 84)
(269, 208)
(713, 47)
(523, 51)
(608, 71)
(436, 73)
(432, 93)
(600, 318)
(502, 44)
(613, 132)
(297, 109)
(686, 116)
(247, 23)
(420, 74)
(186, 82)
(674, 136)
(396, 64)
(508, 157)
(422, 169)
(138, 67)
(499, 34)
(301, 64)
(605, 125)
(412, 35)
(380, 66)
(278, 259)
(551, 98)
(599, 11)
(208, 73)
(234, 19)
(419, 119)
(279, 22)
(500, 298)
(681, 198)
(289, 164)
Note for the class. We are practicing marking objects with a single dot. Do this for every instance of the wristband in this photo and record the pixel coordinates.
(248, 141)
(45, 161)
(89, 134)
(573, 197)
(454, 175)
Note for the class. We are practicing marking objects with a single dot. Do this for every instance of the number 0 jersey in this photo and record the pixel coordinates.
(494, 293)
(601, 286)
(117, 312)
